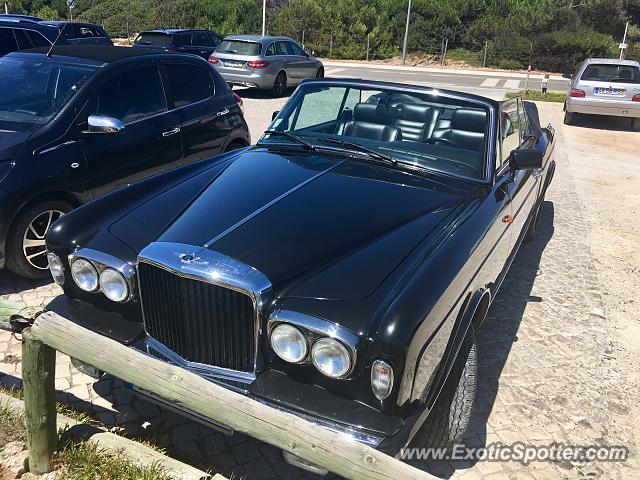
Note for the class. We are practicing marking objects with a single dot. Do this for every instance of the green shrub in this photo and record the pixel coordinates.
(506, 64)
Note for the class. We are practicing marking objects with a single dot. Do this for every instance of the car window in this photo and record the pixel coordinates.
(7, 41)
(271, 50)
(154, 39)
(239, 47)
(83, 31)
(510, 128)
(201, 40)
(283, 48)
(297, 49)
(188, 84)
(131, 95)
(24, 41)
(67, 31)
(524, 121)
(215, 39)
(611, 73)
(319, 107)
(37, 40)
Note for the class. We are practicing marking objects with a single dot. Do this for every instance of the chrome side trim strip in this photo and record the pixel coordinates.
(56, 147)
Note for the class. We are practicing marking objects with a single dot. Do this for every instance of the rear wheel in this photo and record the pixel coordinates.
(450, 417)
(279, 85)
(26, 247)
(568, 118)
(320, 73)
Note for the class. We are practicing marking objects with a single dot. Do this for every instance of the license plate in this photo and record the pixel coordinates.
(233, 64)
(614, 92)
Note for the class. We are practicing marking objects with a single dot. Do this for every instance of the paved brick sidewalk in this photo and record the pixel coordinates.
(548, 369)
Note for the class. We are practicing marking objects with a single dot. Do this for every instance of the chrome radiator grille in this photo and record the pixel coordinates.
(201, 322)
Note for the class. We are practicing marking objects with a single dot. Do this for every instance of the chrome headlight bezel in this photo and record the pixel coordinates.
(102, 261)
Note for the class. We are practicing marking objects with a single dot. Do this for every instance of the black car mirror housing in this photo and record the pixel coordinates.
(274, 115)
(526, 159)
(99, 124)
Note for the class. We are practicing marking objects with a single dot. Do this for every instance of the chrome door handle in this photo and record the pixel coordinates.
(222, 112)
(537, 173)
(173, 131)
(75, 165)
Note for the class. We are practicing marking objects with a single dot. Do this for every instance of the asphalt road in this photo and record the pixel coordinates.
(491, 84)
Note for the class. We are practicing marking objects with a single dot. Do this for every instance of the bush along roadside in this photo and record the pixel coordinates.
(537, 96)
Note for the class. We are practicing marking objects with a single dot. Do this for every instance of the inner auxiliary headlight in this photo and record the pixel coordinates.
(289, 343)
(381, 379)
(331, 357)
(85, 275)
(56, 268)
(114, 285)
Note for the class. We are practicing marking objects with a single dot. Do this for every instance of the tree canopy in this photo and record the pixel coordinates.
(552, 34)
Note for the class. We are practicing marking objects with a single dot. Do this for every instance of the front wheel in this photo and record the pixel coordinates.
(320, 73)
(450, 416)
(26, 247)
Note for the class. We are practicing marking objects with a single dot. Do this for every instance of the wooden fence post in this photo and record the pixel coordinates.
(38, 377)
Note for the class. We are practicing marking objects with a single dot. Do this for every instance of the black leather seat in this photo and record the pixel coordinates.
(417, 122)
(467, 130)
(371, 123)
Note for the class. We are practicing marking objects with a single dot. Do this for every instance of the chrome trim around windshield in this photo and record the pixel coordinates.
(201, 264)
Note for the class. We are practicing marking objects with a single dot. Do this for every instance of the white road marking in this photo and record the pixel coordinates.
(512, 84)
(333, 71)
(490, 82)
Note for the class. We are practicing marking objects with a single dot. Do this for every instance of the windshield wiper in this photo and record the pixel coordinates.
(362, 149)
(291, 136)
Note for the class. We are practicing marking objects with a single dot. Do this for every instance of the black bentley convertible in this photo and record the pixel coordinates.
(338, 269)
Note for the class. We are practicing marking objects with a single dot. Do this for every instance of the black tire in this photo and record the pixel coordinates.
(26, 253)
(635, 124)
(320, 73)
(279, 85)
(569, 118)
(449, 419)
(533, 226)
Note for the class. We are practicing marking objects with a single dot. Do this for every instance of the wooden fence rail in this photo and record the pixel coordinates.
(326, 449)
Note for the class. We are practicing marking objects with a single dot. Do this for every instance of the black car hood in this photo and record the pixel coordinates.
(11, 142)
(315, 226)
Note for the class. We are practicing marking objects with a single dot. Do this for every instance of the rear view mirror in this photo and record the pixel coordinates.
(274, 115)
(526, 159)
(104, 125)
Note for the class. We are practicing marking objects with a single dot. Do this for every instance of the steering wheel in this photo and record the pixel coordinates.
(443, 140)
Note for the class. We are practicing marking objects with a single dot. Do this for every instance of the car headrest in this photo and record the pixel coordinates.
(414, 112)
(469, 120)
(372, 113)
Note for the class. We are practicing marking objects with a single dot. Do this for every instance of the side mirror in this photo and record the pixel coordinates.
(526, 159)
(104, 125)
(274, 115)
(566, 75)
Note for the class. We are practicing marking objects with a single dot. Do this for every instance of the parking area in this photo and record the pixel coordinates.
(557, 356)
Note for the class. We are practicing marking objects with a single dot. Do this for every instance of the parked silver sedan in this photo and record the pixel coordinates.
(268, 63)
(605, 87)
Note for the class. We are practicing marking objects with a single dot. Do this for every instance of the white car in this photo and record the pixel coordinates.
(604, 86)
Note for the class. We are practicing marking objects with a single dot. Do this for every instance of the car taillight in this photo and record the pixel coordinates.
(577, 93)
(636, 98)
(213, 59)
(238, 100)
(258, 64)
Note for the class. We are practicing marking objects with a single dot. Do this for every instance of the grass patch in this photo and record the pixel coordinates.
(537, 96)
(11, 426)
(86, 461)
(467, 56)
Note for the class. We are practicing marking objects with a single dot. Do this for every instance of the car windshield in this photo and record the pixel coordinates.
(160, 39)
(611, 73)
(238, 47)
(428, 130)
(33, 92)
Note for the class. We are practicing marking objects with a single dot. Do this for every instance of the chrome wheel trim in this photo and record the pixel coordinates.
(34, 246)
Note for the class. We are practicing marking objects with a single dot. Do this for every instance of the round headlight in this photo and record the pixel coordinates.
(331, 357)
(114, 285)
(56, 267)
(289, 343)
(84, 274)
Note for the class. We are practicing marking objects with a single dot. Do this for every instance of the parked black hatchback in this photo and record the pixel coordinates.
(21, 34)
(90, 119)
(198, 42)
(81, 33)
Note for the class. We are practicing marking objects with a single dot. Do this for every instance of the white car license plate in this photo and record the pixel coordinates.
(613, 92)
(233, 64)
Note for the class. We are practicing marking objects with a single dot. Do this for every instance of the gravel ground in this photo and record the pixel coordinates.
(558, 354)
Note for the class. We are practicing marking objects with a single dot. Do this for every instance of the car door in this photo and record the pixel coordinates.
(203, 113)
(522, 185)
(284, 54)
(304, 67)
(150, 140)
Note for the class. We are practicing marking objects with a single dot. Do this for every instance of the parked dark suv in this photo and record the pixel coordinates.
(90, 119)
(81, 33)
(198, 42)
(18, 34)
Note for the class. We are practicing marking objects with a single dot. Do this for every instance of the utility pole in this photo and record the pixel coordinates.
(264, 17)
(368, 45)
(623, 45)
(486, 45)
(406, 35)
(6, 7)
